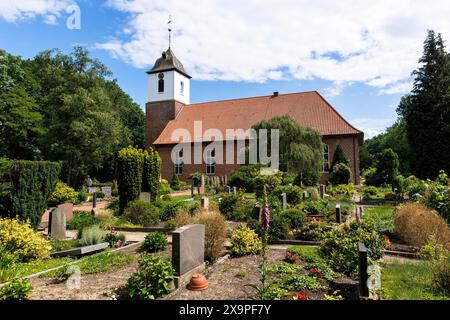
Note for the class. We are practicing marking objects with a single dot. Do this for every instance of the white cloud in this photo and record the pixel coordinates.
(17, 10)
(402, 87)
(372, 126)
(377, 43)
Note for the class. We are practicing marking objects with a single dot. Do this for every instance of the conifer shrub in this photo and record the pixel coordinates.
(151, 173)
(129, 167)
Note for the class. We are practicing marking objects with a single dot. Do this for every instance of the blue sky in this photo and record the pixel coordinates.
(358, 54)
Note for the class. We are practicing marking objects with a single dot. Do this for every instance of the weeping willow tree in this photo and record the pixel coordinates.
(300, 149)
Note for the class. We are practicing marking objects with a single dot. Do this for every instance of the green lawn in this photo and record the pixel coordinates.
(381, 217)
(408, 281)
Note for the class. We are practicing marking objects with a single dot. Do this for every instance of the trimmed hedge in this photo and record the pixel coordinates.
(130, 162)
(32, 183)
(151, 173)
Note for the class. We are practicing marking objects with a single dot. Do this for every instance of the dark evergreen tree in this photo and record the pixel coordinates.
(427, 112)
(339, 156)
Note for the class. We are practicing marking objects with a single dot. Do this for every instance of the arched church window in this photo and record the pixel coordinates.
(161, 82)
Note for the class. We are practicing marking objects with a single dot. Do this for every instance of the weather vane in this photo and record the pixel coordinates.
(170, 29)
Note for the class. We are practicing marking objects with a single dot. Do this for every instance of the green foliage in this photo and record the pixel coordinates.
(306, 254)
(279, 227)
(63, 194)
(92, 235)
(245, 241)
(387, 165)
(21, 240)
(442, 178)
(284, 268)
(154, 242)
(339, 156)
(196, 178)
(32, 183)
(142, 212)
(341, 174)
(61, 245)
(320, 269)
(5, 186)
(313, 231)
(273, 292)
(301, 282)
(175, 183)
(371, 177)
(299, 148)
(81, 220)
(369, 192)
(104, 261)
(293, 194)
(243, 177)
(83, 195)
(151, 173)
(228, 203)
(381, 219)
(270, 182)
(114, 239)
(426, 111)
(152, 278)
(114, 206)
(295, 217)
(340, 246)
(16, 290)
(308, 178)
(130, 163)
(314, 207)
(243, 210)
(344, 192)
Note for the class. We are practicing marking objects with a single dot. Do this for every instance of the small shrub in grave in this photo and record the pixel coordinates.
(295, 217)
(245, 241)
(114, 206)
(83, 195)
(293, 194)
(341, 174)
(182, 218)
(151, 280)
(82, 220)
(306, 254)
(17, 289)
(92, 235)
(370, 192)
(243, 210)
(320, 269)
(313, 231)
(279, 228)
(215, 232)
(20, 239)
(115, 239)
(298, 282)
(390, 196)
(284, 268)
(100, 195)
(143, 213)
(228, 204)
(314, 207)
(291, 257)
(340, 246)
(154, 242)
(62, 194)
(274, 292)
(64, 273)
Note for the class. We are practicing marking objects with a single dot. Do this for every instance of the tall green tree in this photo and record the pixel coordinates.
(339, 156)
(300, 148)
(427, 111)
(387, 166)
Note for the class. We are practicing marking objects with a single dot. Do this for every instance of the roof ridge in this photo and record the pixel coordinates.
(248, 98)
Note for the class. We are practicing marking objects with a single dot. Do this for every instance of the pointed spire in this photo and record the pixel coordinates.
(170, 29)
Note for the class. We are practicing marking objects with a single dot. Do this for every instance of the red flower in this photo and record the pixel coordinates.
(303, 295)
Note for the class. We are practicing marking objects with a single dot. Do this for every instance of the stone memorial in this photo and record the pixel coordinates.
(188, 248)
(145, 196)
(57, 224)
(284, 198)
(322, 191)
(92, 189)
(234, 190)
(107, 191)
(338, 213)
(68, 210)
(362, 267)
(205, 203)
(256, 213)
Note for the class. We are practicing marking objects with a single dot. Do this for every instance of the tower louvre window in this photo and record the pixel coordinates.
(161, 83)
(182, 87)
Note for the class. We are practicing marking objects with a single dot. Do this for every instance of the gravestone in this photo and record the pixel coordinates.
(92, 189)
(205, 203)
(338, 213)
(304, 195)
(188, 248)
(363, 275)
(256, 212)
(226, 180)
(94, 200)
(322, 191)
(57, 224)
(283, 195)
(107, 191)
(68, 210)
(145, 196)
(234, 190)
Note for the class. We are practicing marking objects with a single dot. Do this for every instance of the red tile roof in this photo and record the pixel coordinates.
(310, 109)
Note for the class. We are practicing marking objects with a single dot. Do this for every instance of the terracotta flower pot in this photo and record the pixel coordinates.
(198, 283)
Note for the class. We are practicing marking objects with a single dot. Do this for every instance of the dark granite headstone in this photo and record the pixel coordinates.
(188, 248)
(256, 213)
(363, 276)
(338, 214)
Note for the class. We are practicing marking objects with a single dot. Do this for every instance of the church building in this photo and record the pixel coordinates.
(169, 111)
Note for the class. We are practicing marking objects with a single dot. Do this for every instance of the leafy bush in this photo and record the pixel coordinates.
(227, 204)
(170, 208)
(295, 217)
(81, 220)
(16, 290)
(297, 283)
(182, 218)
(341, 174)
(152, 279)
(271, 182)
(293, 194)
(175, 183)
(369, 192)
(196, 178)
(346, 191)
(63, 194)
(382, 219)
(306, 254)
(20, 239)
(309, 178)
(151, 173)
(164, 187)
(415, 223)
(278, 227)
(83, 195)
(32, 183)
(243, 177)
(320, 269)
(143, 213)
(314, 207)
(390, 196)
(245, 241)
(215, 232)
(313, 231)
(442, 178)
(340, 246)
(130, 163)
(100, 195)
(114, 239)
(243, 210)
(114, 206)
(92, 235)
(274, 292)
(372, 178)
(154, 242)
